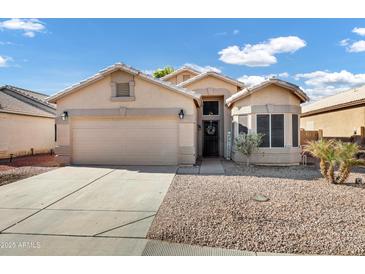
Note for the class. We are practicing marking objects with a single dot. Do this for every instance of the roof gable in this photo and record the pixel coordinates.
(286, 85)
(22, 101)
(180, 70)
(212, 74)
(120, 66)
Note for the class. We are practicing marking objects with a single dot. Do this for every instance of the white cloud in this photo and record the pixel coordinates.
(221, 33)
(4, 61)
(203, 69)
(262, 54)
(325, 78)
(224, 33)
(252, 80)
(29, 34)
(358, 46)
(323, 83)
(283, 75)
(2, 43)
(344, 42)
(318, 93)
(148, 71)
(359, 31)
(29, 26)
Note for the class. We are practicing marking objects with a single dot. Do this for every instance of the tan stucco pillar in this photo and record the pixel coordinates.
(63, 144)
(187, 140)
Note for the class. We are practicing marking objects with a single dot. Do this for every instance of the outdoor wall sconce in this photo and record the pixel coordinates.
(181, 114)
(64, 116)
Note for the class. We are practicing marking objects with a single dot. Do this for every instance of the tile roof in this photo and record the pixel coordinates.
(351, 97)
(22, 101)
(247, 91)
(176, 72)
(129, 69)
(214, 74)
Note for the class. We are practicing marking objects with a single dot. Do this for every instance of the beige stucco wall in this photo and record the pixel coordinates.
(148, 97)
(20, 133)
(215, 89)
(341, 123)
(271, 99)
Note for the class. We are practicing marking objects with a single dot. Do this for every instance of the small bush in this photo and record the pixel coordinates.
(248, 143)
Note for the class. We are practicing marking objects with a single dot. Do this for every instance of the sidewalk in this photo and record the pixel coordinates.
(162, 248)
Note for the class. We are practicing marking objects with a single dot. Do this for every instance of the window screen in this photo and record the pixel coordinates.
(122, 89)
(277, 130)
(242, 124)
(295, 130)
(263, 127)
(210, 108)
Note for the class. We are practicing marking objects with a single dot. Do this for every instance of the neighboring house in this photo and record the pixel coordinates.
(339, 115)
(121, 116)
(27, 122)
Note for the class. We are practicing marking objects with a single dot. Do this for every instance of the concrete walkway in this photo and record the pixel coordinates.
(211, 166)
(82, 211)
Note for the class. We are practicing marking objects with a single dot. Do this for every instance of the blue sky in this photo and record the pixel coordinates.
(323, 56)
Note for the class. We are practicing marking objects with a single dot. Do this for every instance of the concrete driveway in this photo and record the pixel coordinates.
(82, 211)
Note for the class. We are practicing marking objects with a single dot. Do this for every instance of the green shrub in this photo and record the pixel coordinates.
(247, 144)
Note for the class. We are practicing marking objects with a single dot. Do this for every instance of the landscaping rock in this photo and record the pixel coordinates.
(260, 198)
(305, 215)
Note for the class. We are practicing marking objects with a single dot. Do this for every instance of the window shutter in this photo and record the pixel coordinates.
(122, 89)
(263, 127)
(295, 130)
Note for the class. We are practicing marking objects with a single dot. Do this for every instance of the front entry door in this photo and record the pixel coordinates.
(211, 142)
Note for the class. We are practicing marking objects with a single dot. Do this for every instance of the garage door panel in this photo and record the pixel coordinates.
(125, 142)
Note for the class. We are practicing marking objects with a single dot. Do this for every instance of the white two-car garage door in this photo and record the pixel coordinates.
(129, 141)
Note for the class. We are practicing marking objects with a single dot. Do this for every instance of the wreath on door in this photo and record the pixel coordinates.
(211, 129)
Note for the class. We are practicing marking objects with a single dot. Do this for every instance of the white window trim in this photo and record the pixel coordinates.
(270, 129)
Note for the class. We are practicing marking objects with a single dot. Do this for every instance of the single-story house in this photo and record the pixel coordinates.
(27, 122)
(122, 116)
(339, 115)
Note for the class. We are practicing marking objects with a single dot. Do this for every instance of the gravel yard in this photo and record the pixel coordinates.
(24, 167)
(304, 214)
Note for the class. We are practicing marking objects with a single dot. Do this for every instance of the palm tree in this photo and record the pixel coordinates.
(332, 154)
(321, 149)
(346, 155)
